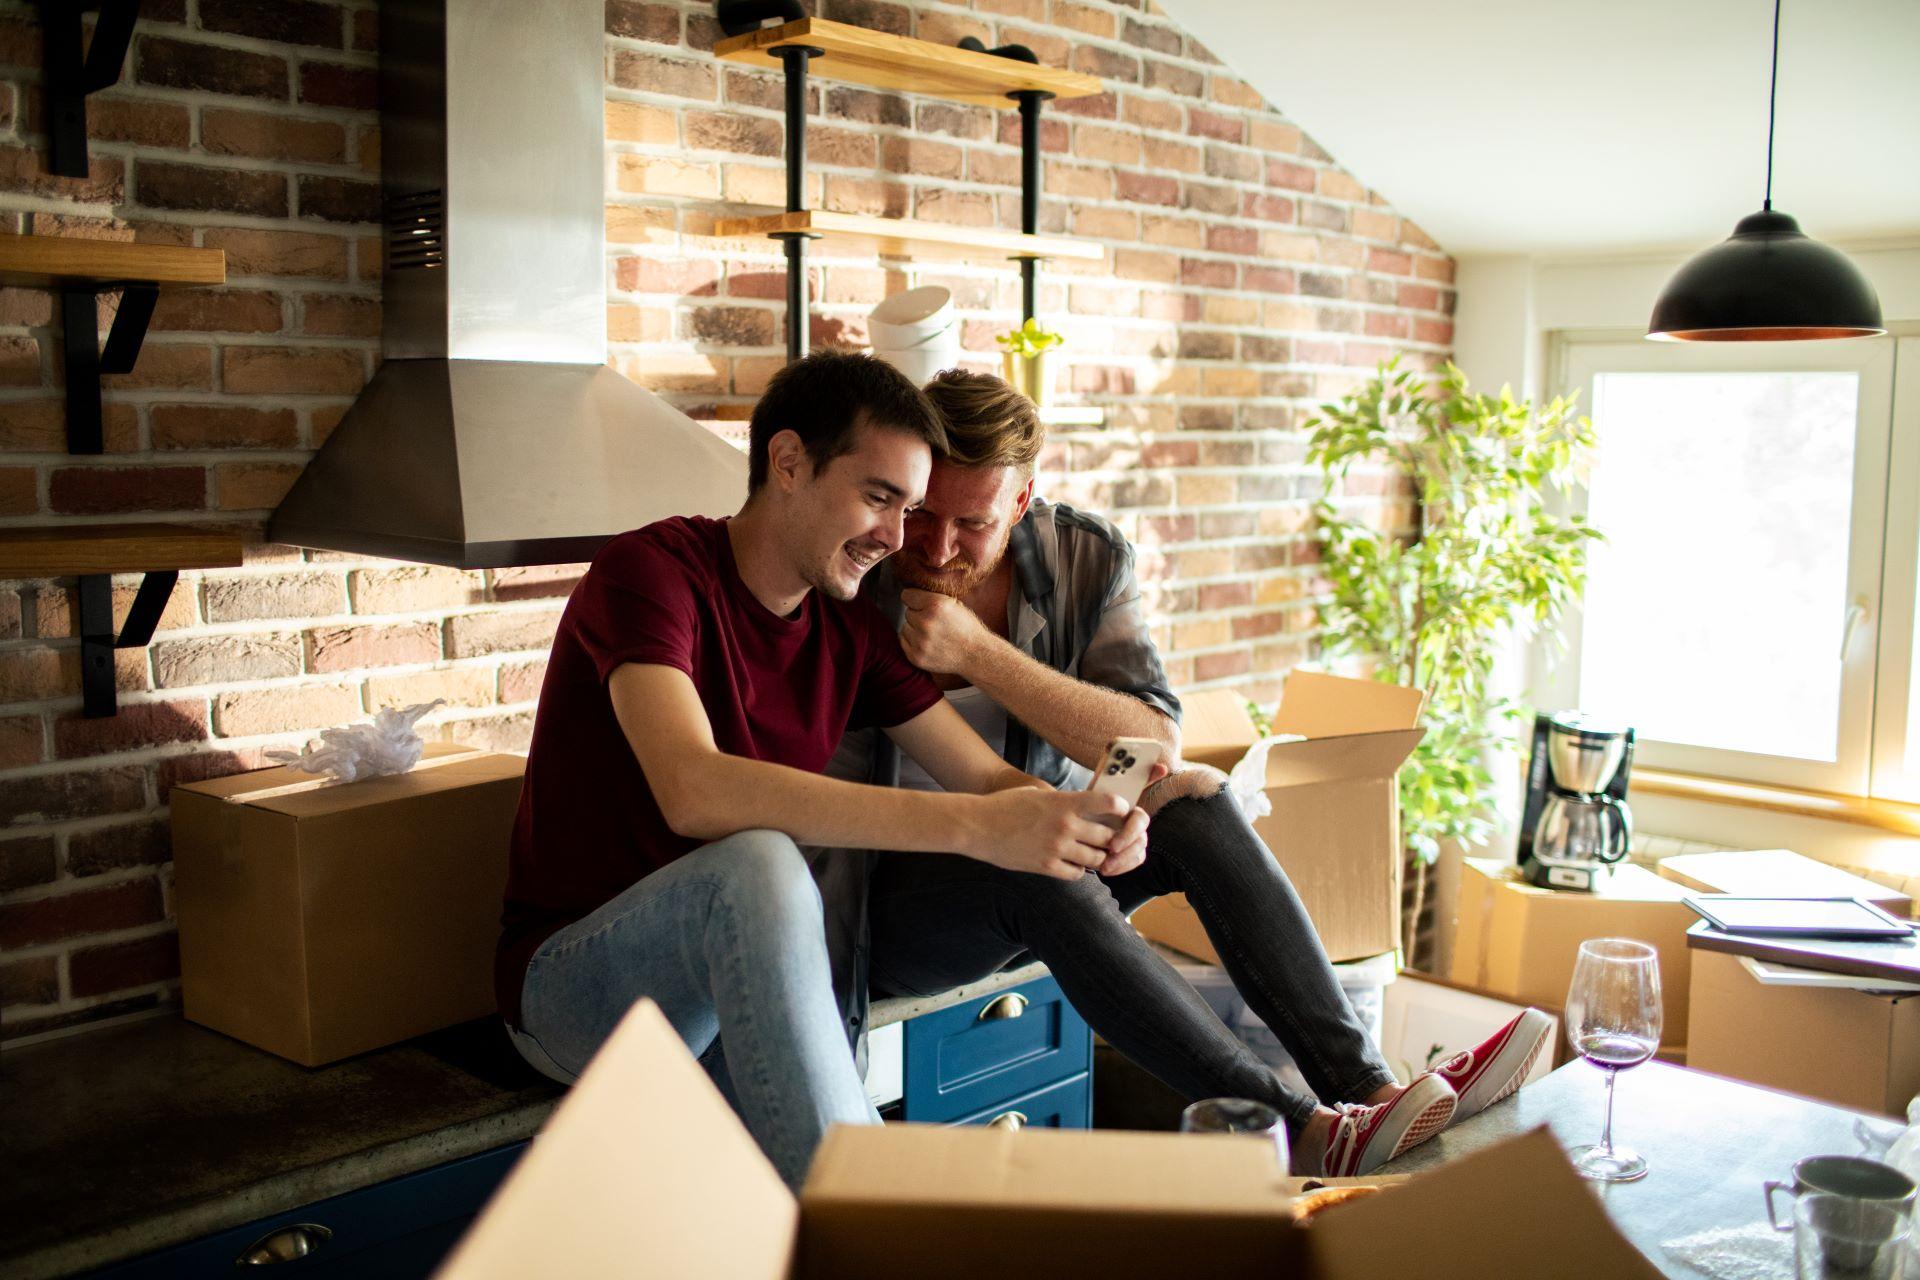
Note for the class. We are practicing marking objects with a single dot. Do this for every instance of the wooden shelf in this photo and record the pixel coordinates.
(1057, 415)
(56, 551)
(1073, 415)
(902, 237)
(905, 65)
(49, 262)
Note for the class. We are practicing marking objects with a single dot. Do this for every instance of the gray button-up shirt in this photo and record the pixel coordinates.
(1076, 608)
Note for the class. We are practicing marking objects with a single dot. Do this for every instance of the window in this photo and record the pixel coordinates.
(1751, 613)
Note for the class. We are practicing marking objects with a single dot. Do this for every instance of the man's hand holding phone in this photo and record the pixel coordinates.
(1127, 768)
(1063, 834)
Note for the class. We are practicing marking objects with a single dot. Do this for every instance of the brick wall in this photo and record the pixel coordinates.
(1248, 277)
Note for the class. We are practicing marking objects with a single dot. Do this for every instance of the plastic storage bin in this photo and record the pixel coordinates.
(1364, 981)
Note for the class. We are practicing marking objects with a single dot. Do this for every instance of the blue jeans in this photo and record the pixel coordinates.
(939, 921)
(729, 942)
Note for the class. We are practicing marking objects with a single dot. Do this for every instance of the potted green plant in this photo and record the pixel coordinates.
(1493, 555)
(1024, 359)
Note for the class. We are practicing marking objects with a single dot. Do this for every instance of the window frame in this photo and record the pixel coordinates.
(1894, 775)
(1863, 728)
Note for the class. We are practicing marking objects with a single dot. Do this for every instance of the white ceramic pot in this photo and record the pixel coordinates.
(945, 337)
(921, 363)
(910, 318)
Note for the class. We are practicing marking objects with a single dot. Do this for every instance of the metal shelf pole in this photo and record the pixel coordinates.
(1029, 100)
(794, 57)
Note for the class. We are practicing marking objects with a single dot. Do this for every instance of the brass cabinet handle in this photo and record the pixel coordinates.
(1010, 1005)
(1008, 1120)
(287, 1244)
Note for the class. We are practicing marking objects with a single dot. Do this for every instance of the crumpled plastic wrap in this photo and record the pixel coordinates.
(1754, 1252)
(388, 745)
(1248, 780)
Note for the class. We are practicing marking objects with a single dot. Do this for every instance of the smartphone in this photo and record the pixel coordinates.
(1125, 769)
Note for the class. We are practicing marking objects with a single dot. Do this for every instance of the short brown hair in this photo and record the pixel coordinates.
(826, 398)
(989, 424)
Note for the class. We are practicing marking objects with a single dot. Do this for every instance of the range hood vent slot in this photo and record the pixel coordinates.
(416, 231)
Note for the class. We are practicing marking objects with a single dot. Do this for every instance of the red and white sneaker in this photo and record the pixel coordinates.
(1364, 1137)
(1482, 1076)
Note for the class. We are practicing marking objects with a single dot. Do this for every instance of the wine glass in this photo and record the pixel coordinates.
(1239, 1116)
(1613, 1021)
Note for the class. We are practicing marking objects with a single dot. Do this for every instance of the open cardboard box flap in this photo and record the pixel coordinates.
(644, 1171)
(1353, 727)
(1317, 705)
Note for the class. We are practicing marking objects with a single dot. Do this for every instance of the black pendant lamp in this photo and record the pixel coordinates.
(1768, 282)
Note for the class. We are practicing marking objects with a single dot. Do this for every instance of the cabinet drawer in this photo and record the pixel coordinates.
(1066, 1105)
(972, 1056)
(396, 1230)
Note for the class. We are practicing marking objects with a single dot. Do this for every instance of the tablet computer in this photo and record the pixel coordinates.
(1797, 917)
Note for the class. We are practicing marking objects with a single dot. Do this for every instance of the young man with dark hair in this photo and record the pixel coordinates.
(701, 676)
(1027, 615)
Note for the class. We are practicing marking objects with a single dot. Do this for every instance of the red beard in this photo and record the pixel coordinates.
(955, 578)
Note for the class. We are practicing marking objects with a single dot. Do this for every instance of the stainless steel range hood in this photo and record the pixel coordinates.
(493, 433)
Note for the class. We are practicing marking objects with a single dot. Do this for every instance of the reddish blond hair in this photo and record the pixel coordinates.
(989, 424)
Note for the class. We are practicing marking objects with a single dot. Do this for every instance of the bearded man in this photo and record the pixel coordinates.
(1027, 615)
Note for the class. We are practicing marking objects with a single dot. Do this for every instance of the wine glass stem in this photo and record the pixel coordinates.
(1606, 1130)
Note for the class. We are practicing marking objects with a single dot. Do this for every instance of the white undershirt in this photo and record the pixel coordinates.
(989, 720)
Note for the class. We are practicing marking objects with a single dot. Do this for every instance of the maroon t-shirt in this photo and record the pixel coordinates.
(783, 690)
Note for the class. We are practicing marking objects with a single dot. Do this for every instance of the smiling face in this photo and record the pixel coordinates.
(956, 538)
(849, 515)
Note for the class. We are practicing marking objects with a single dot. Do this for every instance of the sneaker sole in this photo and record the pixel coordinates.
(1429, 1120)
(1519, 1074)
(1437, 1115)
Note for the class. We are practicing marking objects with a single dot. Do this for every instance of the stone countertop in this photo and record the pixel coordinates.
(133, 1138)
(901, 1008)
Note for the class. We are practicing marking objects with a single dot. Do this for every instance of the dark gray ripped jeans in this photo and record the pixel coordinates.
(939, 920)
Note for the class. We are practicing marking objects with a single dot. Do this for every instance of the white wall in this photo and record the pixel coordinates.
(1509, 310)
(1510, 306)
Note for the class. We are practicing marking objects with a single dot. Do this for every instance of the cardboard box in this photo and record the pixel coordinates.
(1857, 1048)
(1519, 941)
(1777, 873)
(643, 1170)
(320, 920)
(1425, 1021)
(1335, 825)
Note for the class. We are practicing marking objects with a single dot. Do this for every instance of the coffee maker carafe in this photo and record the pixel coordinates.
(1576, 824)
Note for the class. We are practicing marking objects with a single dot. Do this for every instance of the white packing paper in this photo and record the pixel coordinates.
(1248, 781)
(387, 745)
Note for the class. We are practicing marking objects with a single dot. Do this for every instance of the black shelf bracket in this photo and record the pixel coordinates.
(87, 361)
(71, 74)
(97, 640)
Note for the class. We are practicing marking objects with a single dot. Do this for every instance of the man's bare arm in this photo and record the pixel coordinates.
(707, 794)
(945, 745)
(953, 755)
(943, 635)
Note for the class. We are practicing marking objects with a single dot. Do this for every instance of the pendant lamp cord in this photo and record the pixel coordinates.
(1773, 89)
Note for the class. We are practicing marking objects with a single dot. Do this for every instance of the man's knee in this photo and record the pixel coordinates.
(764, 872)
(1035, 898)
(1190, 782)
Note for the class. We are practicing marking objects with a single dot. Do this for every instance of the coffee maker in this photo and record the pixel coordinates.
(1576, 825)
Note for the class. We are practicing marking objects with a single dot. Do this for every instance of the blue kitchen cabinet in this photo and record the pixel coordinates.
(1021, 1053)
(396, 1230)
